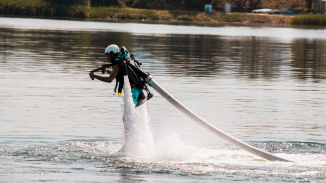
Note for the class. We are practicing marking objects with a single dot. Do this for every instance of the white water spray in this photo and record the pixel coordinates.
(139, 141)
(138, 138)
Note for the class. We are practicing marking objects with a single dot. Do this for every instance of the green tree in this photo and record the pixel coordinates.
(309, 4)
(104, 2)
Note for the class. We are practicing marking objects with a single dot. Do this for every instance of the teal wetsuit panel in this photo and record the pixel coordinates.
(135, 94)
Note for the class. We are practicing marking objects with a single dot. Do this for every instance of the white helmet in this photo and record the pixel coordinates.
(112, 48)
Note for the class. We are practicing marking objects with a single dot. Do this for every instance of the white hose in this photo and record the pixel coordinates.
(211, 128)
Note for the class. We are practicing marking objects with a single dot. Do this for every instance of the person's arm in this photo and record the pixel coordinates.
(113, 74)
(107, 71)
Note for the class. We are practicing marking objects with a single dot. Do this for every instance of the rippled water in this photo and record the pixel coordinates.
(58, 125)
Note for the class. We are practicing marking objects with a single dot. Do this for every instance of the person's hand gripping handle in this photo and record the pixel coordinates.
(91, 75)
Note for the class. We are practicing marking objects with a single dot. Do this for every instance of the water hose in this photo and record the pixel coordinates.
(209, 127)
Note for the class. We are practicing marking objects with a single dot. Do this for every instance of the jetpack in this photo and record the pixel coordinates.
(148, 80)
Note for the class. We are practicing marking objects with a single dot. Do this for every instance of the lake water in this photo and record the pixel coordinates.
(264, 86)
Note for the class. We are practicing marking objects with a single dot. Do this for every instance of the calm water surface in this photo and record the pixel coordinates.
(265, 86)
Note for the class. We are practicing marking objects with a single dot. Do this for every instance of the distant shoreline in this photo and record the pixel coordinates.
(206, 24)
(236, 19)
(219, 19)
(53, 9)
(115, 14)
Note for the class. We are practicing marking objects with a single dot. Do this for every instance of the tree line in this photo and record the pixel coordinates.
(192, 5)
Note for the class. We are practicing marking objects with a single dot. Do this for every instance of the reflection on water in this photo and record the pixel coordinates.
(194, 55)
(56, 122)
(308, 58)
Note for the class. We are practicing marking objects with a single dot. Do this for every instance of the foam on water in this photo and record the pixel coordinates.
(172, 155)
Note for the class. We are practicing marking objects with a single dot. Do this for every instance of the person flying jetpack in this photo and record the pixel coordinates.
(124, 63)
(122, 66)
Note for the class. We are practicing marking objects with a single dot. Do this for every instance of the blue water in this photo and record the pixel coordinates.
(265, 86)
